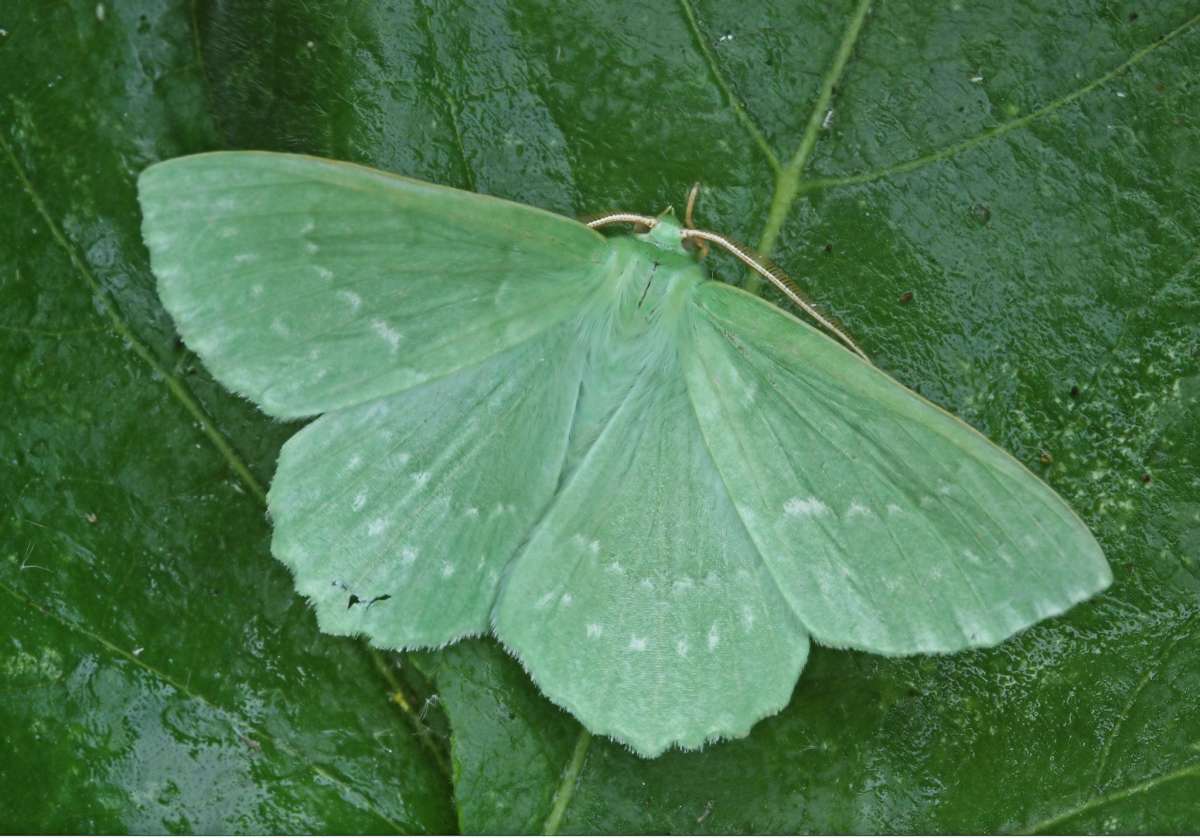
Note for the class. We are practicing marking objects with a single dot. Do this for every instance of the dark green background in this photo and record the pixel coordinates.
(1028, 171)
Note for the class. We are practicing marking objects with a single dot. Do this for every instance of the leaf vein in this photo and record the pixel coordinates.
(1148, 675)
(735, 104)
(961, 146)
(135, 343)
(1190, 770)
(787, 184)
(139, 348)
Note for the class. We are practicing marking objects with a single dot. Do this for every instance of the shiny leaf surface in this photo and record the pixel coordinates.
(998, 202)
(158, 672)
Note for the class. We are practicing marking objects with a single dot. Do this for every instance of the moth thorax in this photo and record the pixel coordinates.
(652, 285)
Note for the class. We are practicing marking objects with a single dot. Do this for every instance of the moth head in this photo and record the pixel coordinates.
(666, 233)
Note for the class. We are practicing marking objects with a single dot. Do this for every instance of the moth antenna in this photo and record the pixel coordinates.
(776, 278)
(623, 218)
(693, 194)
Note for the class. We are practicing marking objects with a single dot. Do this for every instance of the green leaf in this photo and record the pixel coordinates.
(158, 673)
(1021, 249)
(1024, 178)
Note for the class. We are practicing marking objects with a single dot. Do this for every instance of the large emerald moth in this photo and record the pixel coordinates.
(652, 487)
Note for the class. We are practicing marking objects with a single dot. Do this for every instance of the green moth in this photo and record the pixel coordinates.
(653, 488)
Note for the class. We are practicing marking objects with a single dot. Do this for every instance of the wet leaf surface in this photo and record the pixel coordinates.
(157, 673)
(999, 203)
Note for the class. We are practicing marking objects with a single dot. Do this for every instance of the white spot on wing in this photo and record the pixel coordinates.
(566, 600)
(747, 617)
(377, 526)
(360, 500)
(311, 248)
(325, 273)
(408, 555)
(501, 292)
(714, 637)
(352, 299)
(421, 478)
(471, 512)
(594, 629)
(857, 508)
(390, 335)
(637, 644)
(447, 570)
(894, 509)
(245, 258)
(681, 647)
(805, 507)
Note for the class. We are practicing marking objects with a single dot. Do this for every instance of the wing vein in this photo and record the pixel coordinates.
(917, 584)
(729, 494)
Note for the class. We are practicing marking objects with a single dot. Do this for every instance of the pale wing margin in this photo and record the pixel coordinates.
(310, 285)
(889, 525)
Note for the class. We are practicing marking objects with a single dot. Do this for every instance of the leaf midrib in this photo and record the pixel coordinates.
(571, 776)
(790, 185)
